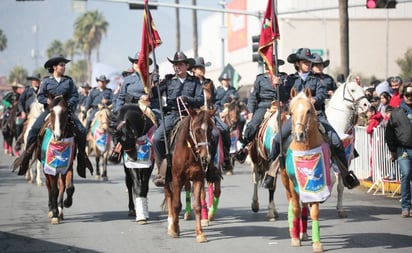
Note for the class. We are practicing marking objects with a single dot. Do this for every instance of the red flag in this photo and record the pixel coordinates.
(270, 32)
(150, 40)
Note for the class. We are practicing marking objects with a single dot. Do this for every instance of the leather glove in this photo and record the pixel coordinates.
(155, 77)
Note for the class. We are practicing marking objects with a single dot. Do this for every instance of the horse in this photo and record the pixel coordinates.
(231, 117)
(210, 198)
(192, 143)
(307, 177)
(10, 131)
(342, 111)
(259, 154)
(137, 123)
(100, 140)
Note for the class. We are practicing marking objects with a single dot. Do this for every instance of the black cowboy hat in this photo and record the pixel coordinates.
(318, 60)
(54, 61)
(181, 57)
(103, 78)
(407, 89)
(36, 77)
(280, 61)
(85, 86)
(225, 76)
(301, 54)
(200, 62)
(136, 58)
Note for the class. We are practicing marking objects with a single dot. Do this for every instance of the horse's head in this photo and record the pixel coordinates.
(103, 117)
(354, 96)
(59, 116)
(200, 134)
(208, 94)
(303, 115)
(232, 115)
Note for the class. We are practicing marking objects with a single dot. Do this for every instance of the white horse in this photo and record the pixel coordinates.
(35, 110)
(342, 110)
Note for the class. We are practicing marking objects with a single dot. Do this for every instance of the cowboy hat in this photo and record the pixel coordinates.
(17, 85)
(280, 61)
(318, 60)
(225, 76)
(103, 79)
(85, 86)
(181, 57)
(54, 61)
(200, 62)
(136, 58)
(36, 77)
(301, 54)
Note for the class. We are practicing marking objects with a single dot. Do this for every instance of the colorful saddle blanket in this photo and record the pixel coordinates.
(144, 149)
(102, 138)
(310, 173)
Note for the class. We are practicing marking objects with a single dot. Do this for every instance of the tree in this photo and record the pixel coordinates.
(55, 48)
(406, 64)
(88, 32)
(78, 72)
(3, 41)
(70, 48)
(18, 75)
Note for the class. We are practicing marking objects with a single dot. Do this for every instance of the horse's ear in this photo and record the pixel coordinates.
(293, 92)
(308, 93)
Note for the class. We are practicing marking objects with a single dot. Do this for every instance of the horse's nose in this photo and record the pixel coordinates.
(205, 161)
(300, 136)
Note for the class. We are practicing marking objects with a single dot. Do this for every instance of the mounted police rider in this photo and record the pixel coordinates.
(29, 95)
(304, 78)
(179, 85)
(100, 95)
(56, 85)
(317, 68)
(225, 92)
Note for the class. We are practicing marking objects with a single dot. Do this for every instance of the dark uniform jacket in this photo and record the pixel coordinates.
(27, 98)
(190, 89)
(328, 81)
(65, 87)
(317, 88)
(96, 95)
(223, 96)
(130, 92)
(264, 93)
(398, 132)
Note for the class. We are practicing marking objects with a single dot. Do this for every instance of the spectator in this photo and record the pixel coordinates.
(395, 82)
(384, 101)
(375, 119)
(388, 111)
(398, 136)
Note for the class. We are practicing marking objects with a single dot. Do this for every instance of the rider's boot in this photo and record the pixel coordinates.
(243, 152)
(160, 178)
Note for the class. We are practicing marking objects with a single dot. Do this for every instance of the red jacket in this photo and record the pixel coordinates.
(374, 121)
(395, 100)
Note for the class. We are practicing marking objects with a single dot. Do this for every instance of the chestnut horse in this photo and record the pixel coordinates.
(307, 177)
(100, 140)
(192, 144)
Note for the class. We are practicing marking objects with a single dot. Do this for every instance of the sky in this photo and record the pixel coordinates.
(55, 19)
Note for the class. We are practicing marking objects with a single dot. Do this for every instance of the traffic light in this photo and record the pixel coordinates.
(381, 4)
(255, 47)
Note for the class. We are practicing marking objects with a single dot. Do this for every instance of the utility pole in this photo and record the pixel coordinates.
(223, 32)
(344, 36)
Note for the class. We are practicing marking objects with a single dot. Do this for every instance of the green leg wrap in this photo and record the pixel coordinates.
(213, 208)
(315, 231)
(291, 216)
(188, 207)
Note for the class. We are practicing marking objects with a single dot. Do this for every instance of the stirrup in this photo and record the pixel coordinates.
(241, 155)
(350, 181)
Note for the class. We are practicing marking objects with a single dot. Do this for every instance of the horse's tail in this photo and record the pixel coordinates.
(23, 162)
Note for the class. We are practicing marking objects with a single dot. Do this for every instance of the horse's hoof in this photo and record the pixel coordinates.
(295, 242)
(141, 222)
(304, 236)
(342, 214)
(50, 214)
(97, 177)
(204, 223)
(255, 206)
(201, 238)
(317, 247)
(39, 183)
(132, 213)
(211, 217)
(229, 173)
(173, 233)
(187, 216)
(55, 220)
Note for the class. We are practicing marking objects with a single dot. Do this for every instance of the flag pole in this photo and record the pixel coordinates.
(156, 70)
(276, 70)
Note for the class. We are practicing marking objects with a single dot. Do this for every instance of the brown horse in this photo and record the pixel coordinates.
(10, 130)
(192, 143)
(100, 140)
(307, 177)
(231, 117)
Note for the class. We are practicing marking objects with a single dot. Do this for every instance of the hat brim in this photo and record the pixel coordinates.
(54, 61)
(207, 64)
(189, 61)
(31, 78)
(132, 60)
(103, 80)
(292, 58)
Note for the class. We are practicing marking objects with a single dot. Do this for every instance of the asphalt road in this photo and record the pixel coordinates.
(98, 221)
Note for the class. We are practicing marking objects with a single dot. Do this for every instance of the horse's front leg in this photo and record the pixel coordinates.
(62, 187)
(169, 203)
(97, 159)
(294, 214)
(314, 215)
(176, 207)
(129, 186)
(272, 212)
(255, 178)
(203, 207)
(38, 173)
(188, 202)
(53, 195)
(197, 187)
(68, 184)
(104, 164)
(214, 197)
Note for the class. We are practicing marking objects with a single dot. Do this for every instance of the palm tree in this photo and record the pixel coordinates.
(18, 75)
(55, 48)
(70, 48)
(77, 71)
(3, 41)
(88, 32)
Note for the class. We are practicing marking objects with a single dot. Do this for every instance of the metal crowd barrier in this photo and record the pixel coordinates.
(374, 163)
